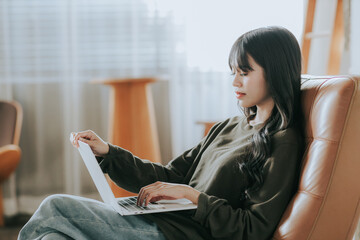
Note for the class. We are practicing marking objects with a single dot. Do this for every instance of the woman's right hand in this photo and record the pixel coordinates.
(97, 145)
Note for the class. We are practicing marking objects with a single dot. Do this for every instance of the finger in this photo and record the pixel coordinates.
(84, 135)
(76, 139)
(149, 197)
(88, 134)
(144, 191)
(72, 136)
(84, 140)
(165, 191)
(72, 139)
(153, 194)
(156, 196)
(139, 197)
(142, 195)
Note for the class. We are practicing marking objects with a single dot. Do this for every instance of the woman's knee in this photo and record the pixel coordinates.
(55, 200)
(57, 204)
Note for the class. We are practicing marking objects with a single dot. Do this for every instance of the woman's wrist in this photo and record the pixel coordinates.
(193, 195)
(104, 150)
(107, 149)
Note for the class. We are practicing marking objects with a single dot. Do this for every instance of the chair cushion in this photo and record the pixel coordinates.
(326, 202)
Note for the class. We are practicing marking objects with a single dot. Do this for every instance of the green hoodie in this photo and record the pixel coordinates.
(212, 167)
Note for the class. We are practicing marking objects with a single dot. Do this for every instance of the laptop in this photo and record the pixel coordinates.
(125, 205)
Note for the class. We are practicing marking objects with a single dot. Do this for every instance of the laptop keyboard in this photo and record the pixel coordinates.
(130, 205)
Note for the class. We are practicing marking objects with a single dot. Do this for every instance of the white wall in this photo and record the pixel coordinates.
(354, 67)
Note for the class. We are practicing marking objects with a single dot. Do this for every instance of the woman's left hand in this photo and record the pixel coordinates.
(166, 191)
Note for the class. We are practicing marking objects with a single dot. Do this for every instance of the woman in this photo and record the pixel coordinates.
(241, 176)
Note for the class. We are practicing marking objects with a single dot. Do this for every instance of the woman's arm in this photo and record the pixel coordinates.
(131, 172)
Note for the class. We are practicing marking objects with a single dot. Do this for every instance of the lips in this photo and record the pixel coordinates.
(239, 94)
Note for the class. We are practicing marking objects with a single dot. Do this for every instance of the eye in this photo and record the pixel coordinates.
(243, 74)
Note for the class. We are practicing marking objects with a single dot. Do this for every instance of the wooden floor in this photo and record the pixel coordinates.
(12, 227)
(9, 233)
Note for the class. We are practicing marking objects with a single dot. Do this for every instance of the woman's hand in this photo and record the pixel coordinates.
(166, 191)
(97, 145)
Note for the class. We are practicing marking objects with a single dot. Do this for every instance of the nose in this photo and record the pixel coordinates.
(237, 82)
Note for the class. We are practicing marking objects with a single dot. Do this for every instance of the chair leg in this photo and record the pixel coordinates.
(2, 222)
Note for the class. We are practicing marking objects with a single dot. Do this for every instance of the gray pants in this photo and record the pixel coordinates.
(71, 217)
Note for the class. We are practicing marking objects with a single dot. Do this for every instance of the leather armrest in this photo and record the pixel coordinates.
(9, 159)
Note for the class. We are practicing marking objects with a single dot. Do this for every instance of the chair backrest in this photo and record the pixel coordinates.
(10, 122)
(326, 205)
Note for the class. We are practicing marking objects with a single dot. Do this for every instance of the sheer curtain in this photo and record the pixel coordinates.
(50, 51)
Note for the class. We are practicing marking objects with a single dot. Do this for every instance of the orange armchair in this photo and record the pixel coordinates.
(327, 203)
(10, 127)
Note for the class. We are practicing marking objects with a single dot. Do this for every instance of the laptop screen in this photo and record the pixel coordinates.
(96, 173)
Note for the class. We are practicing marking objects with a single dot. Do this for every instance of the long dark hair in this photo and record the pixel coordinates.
(277, 51)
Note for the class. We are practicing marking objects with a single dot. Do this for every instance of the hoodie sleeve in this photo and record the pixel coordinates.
(132, 173)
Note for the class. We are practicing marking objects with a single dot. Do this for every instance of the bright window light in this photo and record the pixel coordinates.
(212, 26)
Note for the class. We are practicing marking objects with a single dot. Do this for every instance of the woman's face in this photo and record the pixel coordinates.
(251, 88)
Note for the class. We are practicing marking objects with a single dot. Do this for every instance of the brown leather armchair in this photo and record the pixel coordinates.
(327, 203)
(10, 126)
